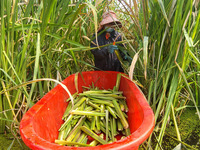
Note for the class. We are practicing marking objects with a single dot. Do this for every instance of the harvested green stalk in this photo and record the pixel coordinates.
(99, 91)
(74, 96)
(79, 102)
(93, 105)
(118, 81)
(77, 136)
(102, 110)
(88, 108)
(109, 96)
(125, 115)
(67, 131)
(75, 129)
(119, 125)
(121, 115)
(125, 106)
(107, 115)
(104, 131)
(71, 143)
(92, 134)
(95, 112)
(86, 124)
(97, 131)
(85, 140)
(61, 135)
(112, 129)
(111, 111)
(122, 107)
(93, 123)
(117, 92)
(103, 123)
(101, 97)
(97, 120)
(85, 113)
(66, 122)
(95, 142)
(82, 137)
(127, 132)
(66, 113)
(106, 102)
(114, 126)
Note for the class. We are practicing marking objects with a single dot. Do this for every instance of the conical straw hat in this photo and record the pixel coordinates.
(109, 18)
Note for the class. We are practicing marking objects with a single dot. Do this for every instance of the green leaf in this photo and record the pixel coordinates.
(67, 41)
(194, 57)
(36, 68)
(163, 11)
(47, 11)
(145, 55)
(189, 39)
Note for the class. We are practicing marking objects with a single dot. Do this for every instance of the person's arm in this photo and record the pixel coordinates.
(99, 53)
(121, 48)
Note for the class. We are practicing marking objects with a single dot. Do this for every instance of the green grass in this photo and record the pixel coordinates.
(9, 142)
(189, 135)
(51, 39)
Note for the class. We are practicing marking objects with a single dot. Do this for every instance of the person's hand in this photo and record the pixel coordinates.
(112, 48)
(125, 57)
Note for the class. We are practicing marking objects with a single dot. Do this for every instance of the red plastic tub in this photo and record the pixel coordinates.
(39, 126)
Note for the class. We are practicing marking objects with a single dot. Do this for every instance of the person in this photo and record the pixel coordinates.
(105, 58)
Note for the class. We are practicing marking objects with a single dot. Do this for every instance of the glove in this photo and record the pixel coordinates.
(125, 57)
(112, 48)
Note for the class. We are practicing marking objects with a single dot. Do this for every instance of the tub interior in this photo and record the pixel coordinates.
(48, 119)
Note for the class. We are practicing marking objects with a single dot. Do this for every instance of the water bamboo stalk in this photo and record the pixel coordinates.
(112, 112)
(121, 115)
(118, 81)
(89, 113)
(71, 143)
(92, 134)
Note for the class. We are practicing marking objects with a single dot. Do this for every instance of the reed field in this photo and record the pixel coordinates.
(46, 40)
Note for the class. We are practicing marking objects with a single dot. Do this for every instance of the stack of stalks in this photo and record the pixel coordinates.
(96, 117)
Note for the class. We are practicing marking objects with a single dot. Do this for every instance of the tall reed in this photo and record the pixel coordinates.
(51, 39)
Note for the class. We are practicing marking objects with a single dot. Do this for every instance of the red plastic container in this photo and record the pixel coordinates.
(39, 126)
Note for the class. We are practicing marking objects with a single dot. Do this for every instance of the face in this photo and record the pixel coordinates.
(109, 27)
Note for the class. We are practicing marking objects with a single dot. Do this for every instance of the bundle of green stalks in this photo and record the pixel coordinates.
(96, 118)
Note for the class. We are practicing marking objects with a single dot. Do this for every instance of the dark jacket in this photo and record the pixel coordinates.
(103, 59)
